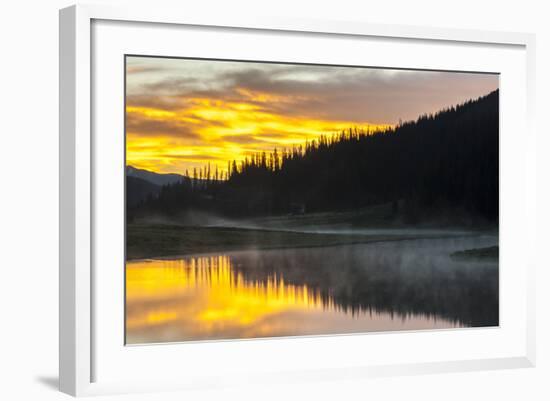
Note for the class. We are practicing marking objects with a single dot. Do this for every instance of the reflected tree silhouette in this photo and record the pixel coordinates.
(406, 278)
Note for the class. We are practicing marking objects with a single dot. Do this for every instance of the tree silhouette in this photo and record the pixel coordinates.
(441, 163)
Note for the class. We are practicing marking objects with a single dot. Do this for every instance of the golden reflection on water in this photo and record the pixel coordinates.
(198, 298)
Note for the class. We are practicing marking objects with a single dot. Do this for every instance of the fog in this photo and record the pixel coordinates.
(305, 224)
(410, 276)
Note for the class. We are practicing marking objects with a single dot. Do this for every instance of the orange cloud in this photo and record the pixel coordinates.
(207, 130)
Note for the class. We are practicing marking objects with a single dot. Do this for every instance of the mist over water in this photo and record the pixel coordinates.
(401, 285)
(302, 224)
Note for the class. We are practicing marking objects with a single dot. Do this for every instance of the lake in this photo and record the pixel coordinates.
(387, 286)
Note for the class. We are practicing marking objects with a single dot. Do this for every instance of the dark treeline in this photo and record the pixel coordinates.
(445, 162)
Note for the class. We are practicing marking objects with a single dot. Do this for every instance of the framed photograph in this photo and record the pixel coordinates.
(277, 200)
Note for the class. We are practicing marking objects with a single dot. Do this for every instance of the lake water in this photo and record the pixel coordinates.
(402, 285)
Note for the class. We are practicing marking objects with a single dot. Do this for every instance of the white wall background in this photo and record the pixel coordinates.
(29, 196)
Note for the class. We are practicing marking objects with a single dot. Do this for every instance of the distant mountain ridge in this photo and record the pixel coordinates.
(144, 184)
(138, 190)
(154, 178)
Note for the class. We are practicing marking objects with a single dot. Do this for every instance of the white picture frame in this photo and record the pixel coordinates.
(81, 347)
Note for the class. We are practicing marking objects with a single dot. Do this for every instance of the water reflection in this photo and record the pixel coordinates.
(356, 288)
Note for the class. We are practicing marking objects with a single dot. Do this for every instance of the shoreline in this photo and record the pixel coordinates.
(181, 241)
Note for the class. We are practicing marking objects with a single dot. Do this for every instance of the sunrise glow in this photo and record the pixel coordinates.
(183, 114)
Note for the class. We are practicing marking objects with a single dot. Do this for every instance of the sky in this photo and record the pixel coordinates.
(185, 113)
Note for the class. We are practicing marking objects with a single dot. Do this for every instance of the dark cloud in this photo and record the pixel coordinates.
(366, 94)
(240, 138)
(138, 69)
(331, 93)
(176, 84)
(142, 126)
(262, 141)
(274, 135)
(168, 103)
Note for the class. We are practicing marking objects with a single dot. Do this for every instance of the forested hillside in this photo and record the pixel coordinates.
(442, 163)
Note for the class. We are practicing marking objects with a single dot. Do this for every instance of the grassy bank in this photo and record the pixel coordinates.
(150, 240)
